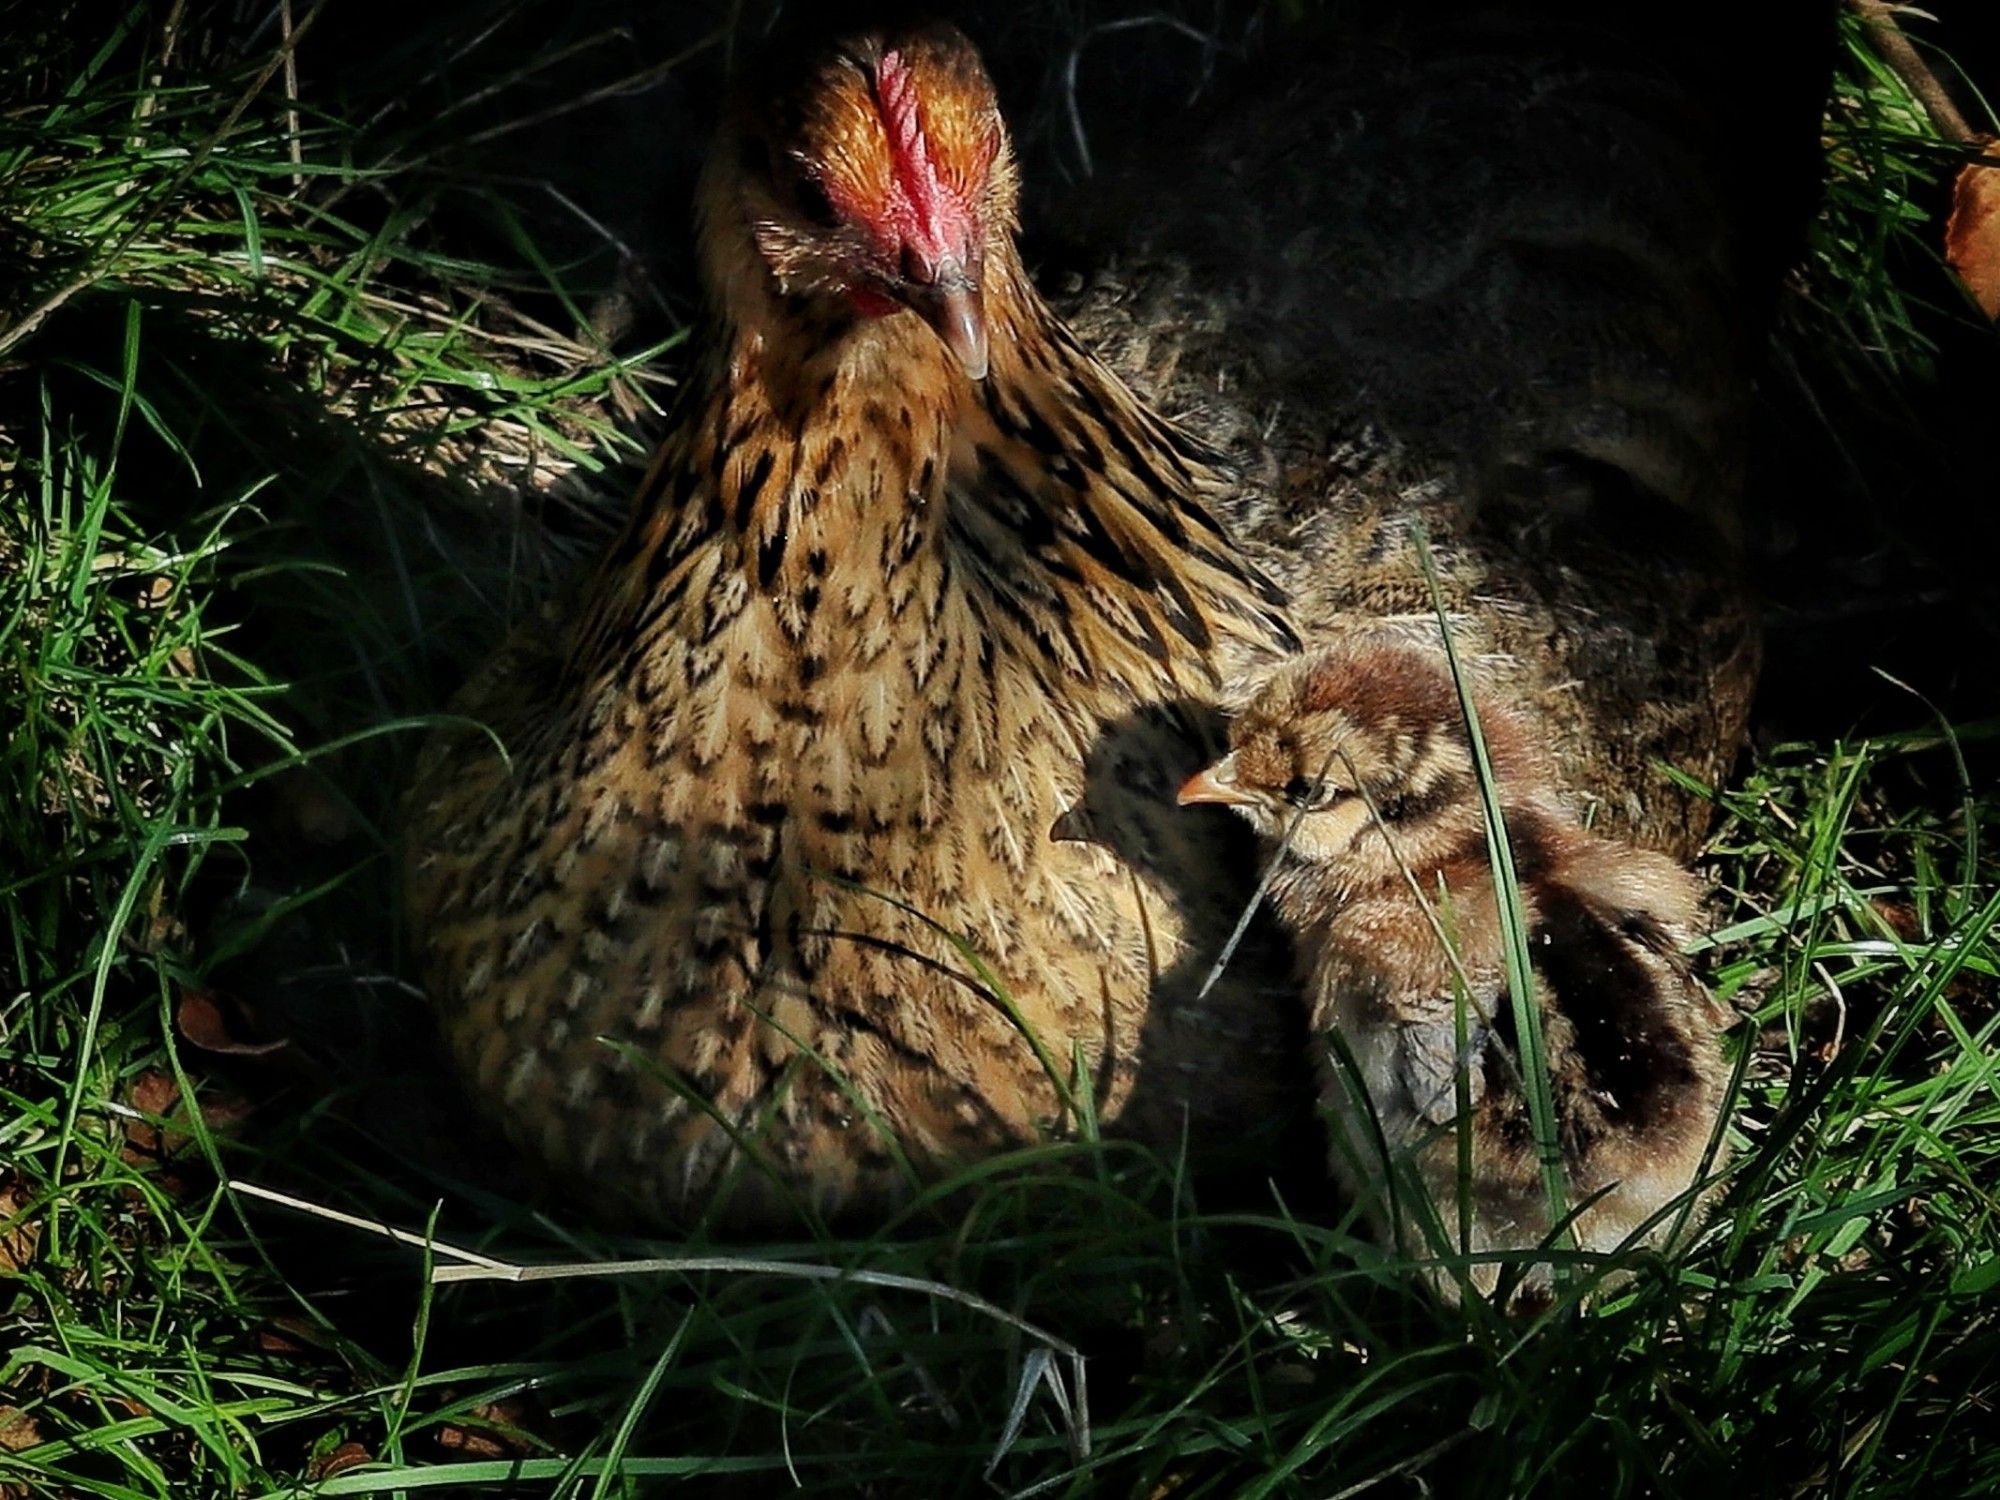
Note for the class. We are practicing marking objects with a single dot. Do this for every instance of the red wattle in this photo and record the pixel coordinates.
(871, 303)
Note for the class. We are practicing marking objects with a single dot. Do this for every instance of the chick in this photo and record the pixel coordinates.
(1355, 766)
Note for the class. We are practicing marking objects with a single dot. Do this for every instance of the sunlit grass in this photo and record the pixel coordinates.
(242, 459)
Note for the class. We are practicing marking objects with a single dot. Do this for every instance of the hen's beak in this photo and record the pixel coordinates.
(954, 308)
(1216, 784)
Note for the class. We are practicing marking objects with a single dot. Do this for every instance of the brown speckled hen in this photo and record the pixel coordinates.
(814, 717)
(921, 612)
(1355, 767)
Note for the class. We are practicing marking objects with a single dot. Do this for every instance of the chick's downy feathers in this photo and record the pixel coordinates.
(1386, 879)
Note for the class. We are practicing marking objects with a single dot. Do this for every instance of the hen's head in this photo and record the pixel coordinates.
(1364, 736)
(882, 177)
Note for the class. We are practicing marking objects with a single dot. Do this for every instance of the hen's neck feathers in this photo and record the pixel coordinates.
(843, 468)
(1098, 496)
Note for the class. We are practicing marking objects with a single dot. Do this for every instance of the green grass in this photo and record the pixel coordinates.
(281, 455)
(1884, 159)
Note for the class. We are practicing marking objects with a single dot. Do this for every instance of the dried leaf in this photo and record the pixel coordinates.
(153, 1093)
(339, 1461)
(289, 1335)
(200, 1019)
(499, 1436)
(1902, 919)
(472, 1443)
(162, 930)
(311, 808)
(19, 1235)
(1972, 234)
(18, 1430)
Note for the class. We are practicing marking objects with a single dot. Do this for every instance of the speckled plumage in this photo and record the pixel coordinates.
(887, 657)
(812, 720)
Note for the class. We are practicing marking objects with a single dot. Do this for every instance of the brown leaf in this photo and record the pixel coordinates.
(162, 930)
(286, 1334)
(501, 1439)
(1972, 234)
(1901, 917)
(153, 1093)
(473, 1444)
(200, 1019)
(19, 1235)
(18, 1430)
(339, 1461)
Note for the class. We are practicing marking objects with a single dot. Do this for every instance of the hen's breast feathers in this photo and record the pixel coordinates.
(816, 715)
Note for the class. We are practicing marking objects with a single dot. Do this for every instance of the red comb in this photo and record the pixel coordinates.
(924, 212)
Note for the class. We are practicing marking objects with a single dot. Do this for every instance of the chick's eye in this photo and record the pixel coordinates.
(1303, 791)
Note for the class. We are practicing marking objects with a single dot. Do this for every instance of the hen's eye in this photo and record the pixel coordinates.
(814, 203)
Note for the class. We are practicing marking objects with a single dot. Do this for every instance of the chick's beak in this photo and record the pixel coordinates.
(952, 305)
(1216, 784)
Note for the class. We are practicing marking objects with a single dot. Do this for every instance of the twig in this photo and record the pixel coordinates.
(1404, 1466)
(373, 1226)
(541, 63)
(1265, 880)
(169, 35)
(421, 89)
(875, 1320)
(1210, 45)
(287, 44)
(1901, 55)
